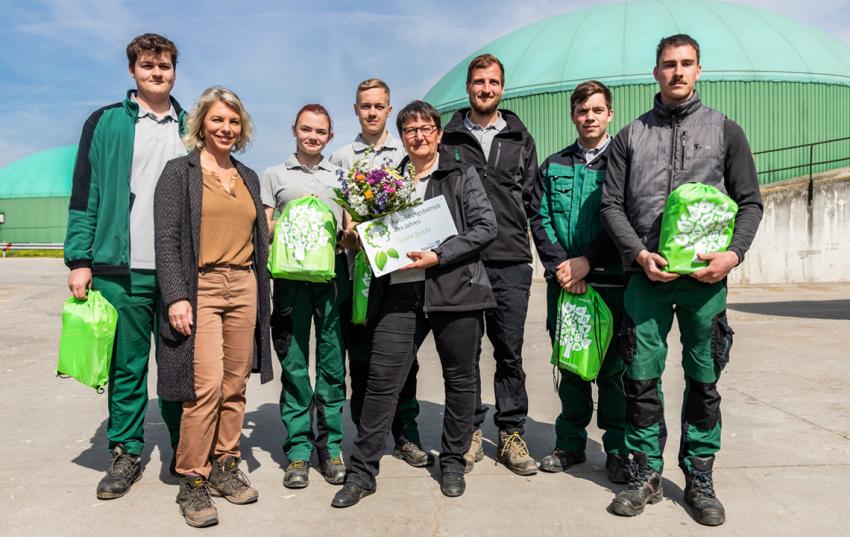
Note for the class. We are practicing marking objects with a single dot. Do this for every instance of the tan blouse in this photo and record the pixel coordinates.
(227, 222)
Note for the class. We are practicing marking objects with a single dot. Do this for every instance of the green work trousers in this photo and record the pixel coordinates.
(576, 395)
(136, 297)
(706, 339)
(300, 405)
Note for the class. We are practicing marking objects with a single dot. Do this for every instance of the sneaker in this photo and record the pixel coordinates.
(452, 484)
(195, 502)
(123, 472)
(333, 470)
(699, 493)
(350, 494)
(513, 453)
(618, 468)
(561, 459)
(475, 453)
(644, 487)
(413, 454)
(297, 475)
(229, 481)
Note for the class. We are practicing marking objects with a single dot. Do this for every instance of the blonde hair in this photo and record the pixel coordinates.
(372, 83)
(194, 137)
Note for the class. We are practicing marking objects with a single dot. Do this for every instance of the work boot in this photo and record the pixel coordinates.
(644, 487)
(413, 454)
(618, 468)
(475, 453)
(349, 494)
(195, 502)
(452, 484)
(699, 493)
(333, 470)
(297, 475)
(561, 459)
(229, 481)
(513, 453)
(123, 472)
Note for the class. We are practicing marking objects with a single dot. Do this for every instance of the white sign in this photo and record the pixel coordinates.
(387, 240)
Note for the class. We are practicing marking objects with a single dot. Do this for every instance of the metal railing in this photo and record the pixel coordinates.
(8, 246)
(809, 164)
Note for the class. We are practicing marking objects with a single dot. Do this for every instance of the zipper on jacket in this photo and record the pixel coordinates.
(672, 166)
(684, 144)
(498, 155)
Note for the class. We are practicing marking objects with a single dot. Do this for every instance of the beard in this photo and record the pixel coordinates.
(483, 109)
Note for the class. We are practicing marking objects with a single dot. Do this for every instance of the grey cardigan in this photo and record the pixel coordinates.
(177, 224)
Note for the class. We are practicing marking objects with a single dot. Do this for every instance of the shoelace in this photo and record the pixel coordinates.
(297, 465)
(236, 478)
(640, 475)
(703, 483)
(122, 464)
(515, 440)
(200, 496)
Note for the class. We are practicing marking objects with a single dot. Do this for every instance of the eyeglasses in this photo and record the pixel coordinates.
(426, 130)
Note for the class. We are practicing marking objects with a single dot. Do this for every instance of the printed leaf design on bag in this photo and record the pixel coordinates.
(702, 228)
(574, 330)
(302, 231)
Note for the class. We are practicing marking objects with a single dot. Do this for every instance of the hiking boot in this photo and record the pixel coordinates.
(349, 494)
(229, 481)
(475, 453)
(699, 493)
(513, 453)
(333, 470)
(644, 487)
(297, 475)
(452, 484)
(123, 472)
(413, 454)
(195, 502)
(561, 459)
(618, 468)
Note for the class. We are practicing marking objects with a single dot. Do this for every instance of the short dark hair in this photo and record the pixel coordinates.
(483, 61)
(678, 40)
(414, 110)
(584, 91)
(154, 43)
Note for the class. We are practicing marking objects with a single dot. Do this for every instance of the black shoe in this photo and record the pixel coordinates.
(349, 494)
(618, 468)
(452, 484)
(297, 475)
(124, 471)
(644, 487)
(195, 502)
(413, 454)
(561, 459)
(333, 470)
(699, 493)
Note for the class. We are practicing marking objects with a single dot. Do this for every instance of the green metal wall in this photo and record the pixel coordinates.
(40, 220)
(773, 114)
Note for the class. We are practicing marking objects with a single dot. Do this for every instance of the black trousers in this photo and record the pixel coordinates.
(401, 328)
(505, 328)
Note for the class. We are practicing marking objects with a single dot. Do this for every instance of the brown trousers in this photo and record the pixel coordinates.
(226, 315)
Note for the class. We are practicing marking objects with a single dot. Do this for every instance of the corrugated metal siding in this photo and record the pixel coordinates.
(773, 114)
(41, 220)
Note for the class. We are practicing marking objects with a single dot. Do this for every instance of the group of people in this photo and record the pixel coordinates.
(175, 232)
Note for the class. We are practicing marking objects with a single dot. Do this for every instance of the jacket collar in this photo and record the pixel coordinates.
(514, 125)
(195, 162)
(131, 107)
(680, 110)
(445, 165)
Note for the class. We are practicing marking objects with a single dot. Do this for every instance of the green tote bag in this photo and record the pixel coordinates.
(304, 244)
(88, 335)
(582, 333)
(360, 295)
(697, 219)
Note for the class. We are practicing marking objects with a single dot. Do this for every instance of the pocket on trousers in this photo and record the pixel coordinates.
(627, 339)
(721, 339)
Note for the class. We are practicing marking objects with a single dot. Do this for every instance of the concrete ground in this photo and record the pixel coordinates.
(784, 468)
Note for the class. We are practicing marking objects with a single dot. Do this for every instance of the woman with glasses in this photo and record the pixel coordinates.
(444, 290)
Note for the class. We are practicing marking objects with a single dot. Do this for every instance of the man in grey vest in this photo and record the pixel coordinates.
(676, 142)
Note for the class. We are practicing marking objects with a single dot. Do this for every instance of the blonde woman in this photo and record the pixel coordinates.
(211, 252)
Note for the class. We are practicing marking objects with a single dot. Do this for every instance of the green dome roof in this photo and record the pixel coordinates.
(46, 174)
(615, 43)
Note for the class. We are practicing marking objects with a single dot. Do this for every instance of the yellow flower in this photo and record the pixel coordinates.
(367, 194)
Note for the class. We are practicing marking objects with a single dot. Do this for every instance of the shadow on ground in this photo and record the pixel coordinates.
(809, 309)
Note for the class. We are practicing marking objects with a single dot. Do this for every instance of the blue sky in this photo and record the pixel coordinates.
(64, 58)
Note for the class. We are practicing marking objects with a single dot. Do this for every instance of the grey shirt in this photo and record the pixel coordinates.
(156, 141)
(292, 180)
(485, 135)
(391, 152)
